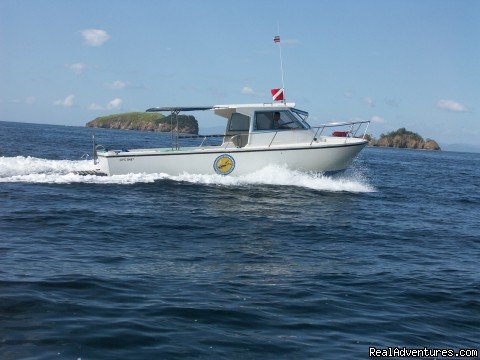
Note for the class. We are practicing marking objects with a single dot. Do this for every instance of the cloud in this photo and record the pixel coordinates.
(246, 90)
(377, 119)
(348, 94)
(392, 102)
(369, 101)
(117, 84)
(291, 42)
(451, 105)
(30, 100)
(94, 37)
(77, 68)
(95, 106)
(217, 92)
(114, 104)
(67, 102)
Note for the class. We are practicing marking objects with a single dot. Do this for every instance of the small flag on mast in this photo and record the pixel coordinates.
(277, 94)
(276, 39)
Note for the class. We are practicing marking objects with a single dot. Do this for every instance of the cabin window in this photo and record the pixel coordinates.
(276, 120)
(239, 122)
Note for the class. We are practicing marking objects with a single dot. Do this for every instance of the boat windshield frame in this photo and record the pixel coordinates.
(302, 116)
(303, 125)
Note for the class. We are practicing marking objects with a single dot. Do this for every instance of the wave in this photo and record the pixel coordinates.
(44, 171)
(281, 176)
(35, 170)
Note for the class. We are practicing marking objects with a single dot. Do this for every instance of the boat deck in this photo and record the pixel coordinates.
(321, 142)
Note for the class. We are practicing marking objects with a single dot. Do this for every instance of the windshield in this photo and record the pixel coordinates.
(302, 116)
(278, 120)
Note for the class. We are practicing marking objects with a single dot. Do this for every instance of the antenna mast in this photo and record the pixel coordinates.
(281, 60)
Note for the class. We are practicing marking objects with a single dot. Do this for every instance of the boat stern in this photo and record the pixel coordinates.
(101, 164)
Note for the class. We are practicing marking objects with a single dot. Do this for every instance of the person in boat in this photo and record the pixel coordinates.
(276, 121)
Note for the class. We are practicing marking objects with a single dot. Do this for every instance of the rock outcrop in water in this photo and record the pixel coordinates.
(403, 138)
(146, 122)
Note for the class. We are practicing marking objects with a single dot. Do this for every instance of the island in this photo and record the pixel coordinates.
(142, 121)
(402, 138)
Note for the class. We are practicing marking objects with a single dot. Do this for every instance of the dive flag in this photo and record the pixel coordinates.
(276, 39)
(277, 94)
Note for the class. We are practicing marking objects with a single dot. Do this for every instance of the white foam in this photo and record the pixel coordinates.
(20, 165)
(35, 170)
(281, 176)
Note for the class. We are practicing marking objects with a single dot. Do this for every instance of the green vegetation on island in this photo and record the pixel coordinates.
(402, 138)
(144, 121)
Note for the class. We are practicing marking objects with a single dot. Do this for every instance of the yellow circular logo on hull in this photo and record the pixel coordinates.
(224, 164)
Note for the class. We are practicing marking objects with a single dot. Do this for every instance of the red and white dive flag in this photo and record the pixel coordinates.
(277, 94)
(276, 39)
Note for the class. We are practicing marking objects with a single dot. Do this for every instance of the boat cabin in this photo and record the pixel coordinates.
(265, 125)
(256, 124)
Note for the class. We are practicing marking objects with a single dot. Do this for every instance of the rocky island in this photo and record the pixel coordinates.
(146, 122)
(402, 138)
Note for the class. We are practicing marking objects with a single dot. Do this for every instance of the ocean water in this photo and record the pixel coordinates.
(276, 264)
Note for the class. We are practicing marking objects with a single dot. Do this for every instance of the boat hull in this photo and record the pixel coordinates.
(237, 161)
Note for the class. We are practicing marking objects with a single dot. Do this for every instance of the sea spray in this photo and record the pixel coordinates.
(21, 165)
(281, 176)
(35, 170)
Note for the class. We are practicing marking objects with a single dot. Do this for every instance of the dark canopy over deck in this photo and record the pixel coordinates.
(178, 109)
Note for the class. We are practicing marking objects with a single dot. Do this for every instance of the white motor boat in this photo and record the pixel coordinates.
(256, 135)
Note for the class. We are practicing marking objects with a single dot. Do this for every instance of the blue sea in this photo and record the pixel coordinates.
(277, 264)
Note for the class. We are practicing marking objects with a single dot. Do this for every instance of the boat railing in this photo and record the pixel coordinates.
(352, 131)
(203, 137)
(233, 140)
(354, 126)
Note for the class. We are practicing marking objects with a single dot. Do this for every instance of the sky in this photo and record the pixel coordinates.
(408, 63)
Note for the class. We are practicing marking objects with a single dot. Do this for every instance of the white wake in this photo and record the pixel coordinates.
(35, 170)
